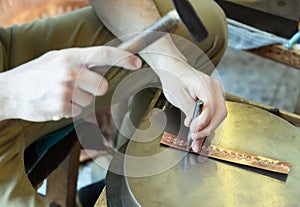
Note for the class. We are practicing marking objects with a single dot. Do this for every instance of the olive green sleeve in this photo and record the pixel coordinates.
(22, 43)
(4, 48)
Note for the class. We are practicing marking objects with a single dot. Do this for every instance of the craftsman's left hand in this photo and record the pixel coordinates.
(183, 86)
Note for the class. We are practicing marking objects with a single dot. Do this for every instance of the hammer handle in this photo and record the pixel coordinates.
(167, 23)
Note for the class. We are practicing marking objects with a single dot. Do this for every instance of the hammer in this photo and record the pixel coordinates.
(183, 13)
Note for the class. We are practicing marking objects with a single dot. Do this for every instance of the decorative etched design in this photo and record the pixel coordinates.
(229, 155)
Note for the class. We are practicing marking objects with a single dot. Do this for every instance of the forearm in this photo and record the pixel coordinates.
(133, 17)
(182, 84)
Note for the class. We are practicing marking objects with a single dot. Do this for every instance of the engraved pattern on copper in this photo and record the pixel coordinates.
(229, 155)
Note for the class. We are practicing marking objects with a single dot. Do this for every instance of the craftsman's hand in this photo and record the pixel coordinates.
(43, 89)
(183, 87)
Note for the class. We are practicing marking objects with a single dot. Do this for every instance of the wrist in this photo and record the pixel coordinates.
(165, 64)
(164, 55)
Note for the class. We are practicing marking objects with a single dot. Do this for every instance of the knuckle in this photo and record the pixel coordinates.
(67, 58)
(202, 125)
(105, 52)
(198, 124)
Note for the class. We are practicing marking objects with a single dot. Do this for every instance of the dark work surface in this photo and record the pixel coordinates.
(117, 192)
(279, 17)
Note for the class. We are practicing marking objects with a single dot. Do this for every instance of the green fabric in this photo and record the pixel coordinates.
(4, 48)
(77, 29)
(20, 44)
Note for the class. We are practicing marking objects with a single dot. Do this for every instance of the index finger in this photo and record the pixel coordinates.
(105, 55)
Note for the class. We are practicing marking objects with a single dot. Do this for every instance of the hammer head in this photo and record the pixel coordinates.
(190, 19)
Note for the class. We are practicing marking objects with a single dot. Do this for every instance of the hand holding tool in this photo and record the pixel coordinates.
(197, 112)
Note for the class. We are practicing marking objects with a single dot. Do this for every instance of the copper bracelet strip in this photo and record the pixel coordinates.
(229, 155)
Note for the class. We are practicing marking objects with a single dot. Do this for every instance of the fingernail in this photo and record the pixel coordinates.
(137, 62)
(103, 86)
(195, 148)
(56, 117)
(186, 122)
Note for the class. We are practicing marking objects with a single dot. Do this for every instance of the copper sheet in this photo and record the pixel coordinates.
(229, 155)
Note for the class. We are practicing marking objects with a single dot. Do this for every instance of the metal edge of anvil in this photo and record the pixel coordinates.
(117, 192)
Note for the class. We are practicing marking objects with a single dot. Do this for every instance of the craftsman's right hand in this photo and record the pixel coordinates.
(182, 86)
(42, 89)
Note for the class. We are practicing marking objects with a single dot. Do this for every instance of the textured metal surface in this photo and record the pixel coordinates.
(208, 182)
(228, 155)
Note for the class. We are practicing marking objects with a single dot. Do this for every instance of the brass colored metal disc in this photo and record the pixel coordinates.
(159, 176)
